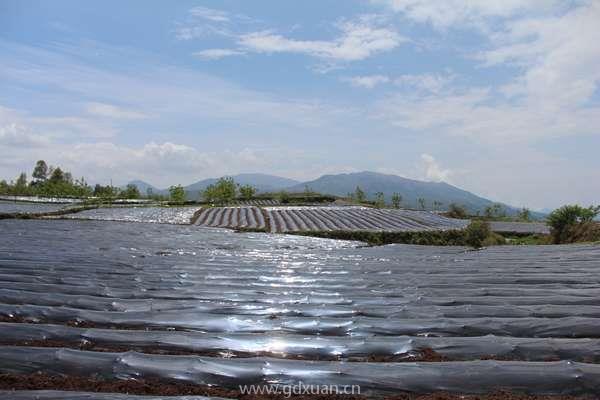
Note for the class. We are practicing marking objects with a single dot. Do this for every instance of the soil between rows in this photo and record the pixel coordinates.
(419, 355)
(41, 381)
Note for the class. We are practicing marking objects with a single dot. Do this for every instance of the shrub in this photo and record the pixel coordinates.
(524, 215)
(496, 210)
(283, 197)
(359, 196)
(379, 200)
(131, 192)
(396, 200)
(564, 220)
(247, 192)
(456, 211)
(494, 239)
(476, 233)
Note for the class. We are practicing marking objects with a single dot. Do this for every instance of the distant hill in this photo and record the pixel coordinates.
(262, 183)
(410, 190)
(342, 184)
(144, 186)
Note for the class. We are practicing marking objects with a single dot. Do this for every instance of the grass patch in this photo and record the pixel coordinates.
(431, 238)
(526, 239)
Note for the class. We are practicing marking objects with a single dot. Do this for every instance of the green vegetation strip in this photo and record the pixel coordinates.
(433, 238)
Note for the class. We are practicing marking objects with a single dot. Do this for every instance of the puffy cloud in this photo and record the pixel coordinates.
(359, 39)
(551, 93)
(14, 135)
(433, 171)
(558, 57)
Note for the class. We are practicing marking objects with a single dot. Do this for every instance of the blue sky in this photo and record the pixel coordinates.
(498, 97)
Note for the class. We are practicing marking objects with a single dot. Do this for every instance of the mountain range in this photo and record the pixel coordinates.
(343, 184)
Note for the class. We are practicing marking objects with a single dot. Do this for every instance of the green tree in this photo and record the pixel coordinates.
(81, 188)
(221, 192)
(396, 200)
(247, 192)
(379, 200)
(495, 210)
(422, 203)
(437, 205)
(359, 195)
(4, 187)
(57, 176)
(131, 192)
(524, 214)
(308, 191)
(177, 194)
(565, 218)
(40, 172)
(104, 191)
(20, 186)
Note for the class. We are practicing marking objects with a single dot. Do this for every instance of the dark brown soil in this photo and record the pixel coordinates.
(39, 381)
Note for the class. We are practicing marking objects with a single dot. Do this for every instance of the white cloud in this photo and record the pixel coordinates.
(367, 81)
(111, 111)
(203, 21)
(453, 13)
(359, 39)
(163, 163)
(559, 57)
(477, 114)
(556, 76)
(433, 171)
(210, 14)
(37, 129)
(428, 82)
(14, 135)
(217, 54)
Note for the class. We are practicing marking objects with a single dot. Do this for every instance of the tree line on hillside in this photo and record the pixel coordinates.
(51, 181)
(454, 210)
(222, 192)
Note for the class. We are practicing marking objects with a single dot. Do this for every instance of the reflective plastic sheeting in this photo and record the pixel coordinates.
(563, 377)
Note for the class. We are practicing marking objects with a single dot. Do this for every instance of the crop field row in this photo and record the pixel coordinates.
(278, 219)
(211, 309)
(22, 207)
(258, 202)
(160, 215)
(294, 219)
(232, 217)
(356, 218)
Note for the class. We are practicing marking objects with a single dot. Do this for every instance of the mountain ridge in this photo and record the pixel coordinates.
(370, 182)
